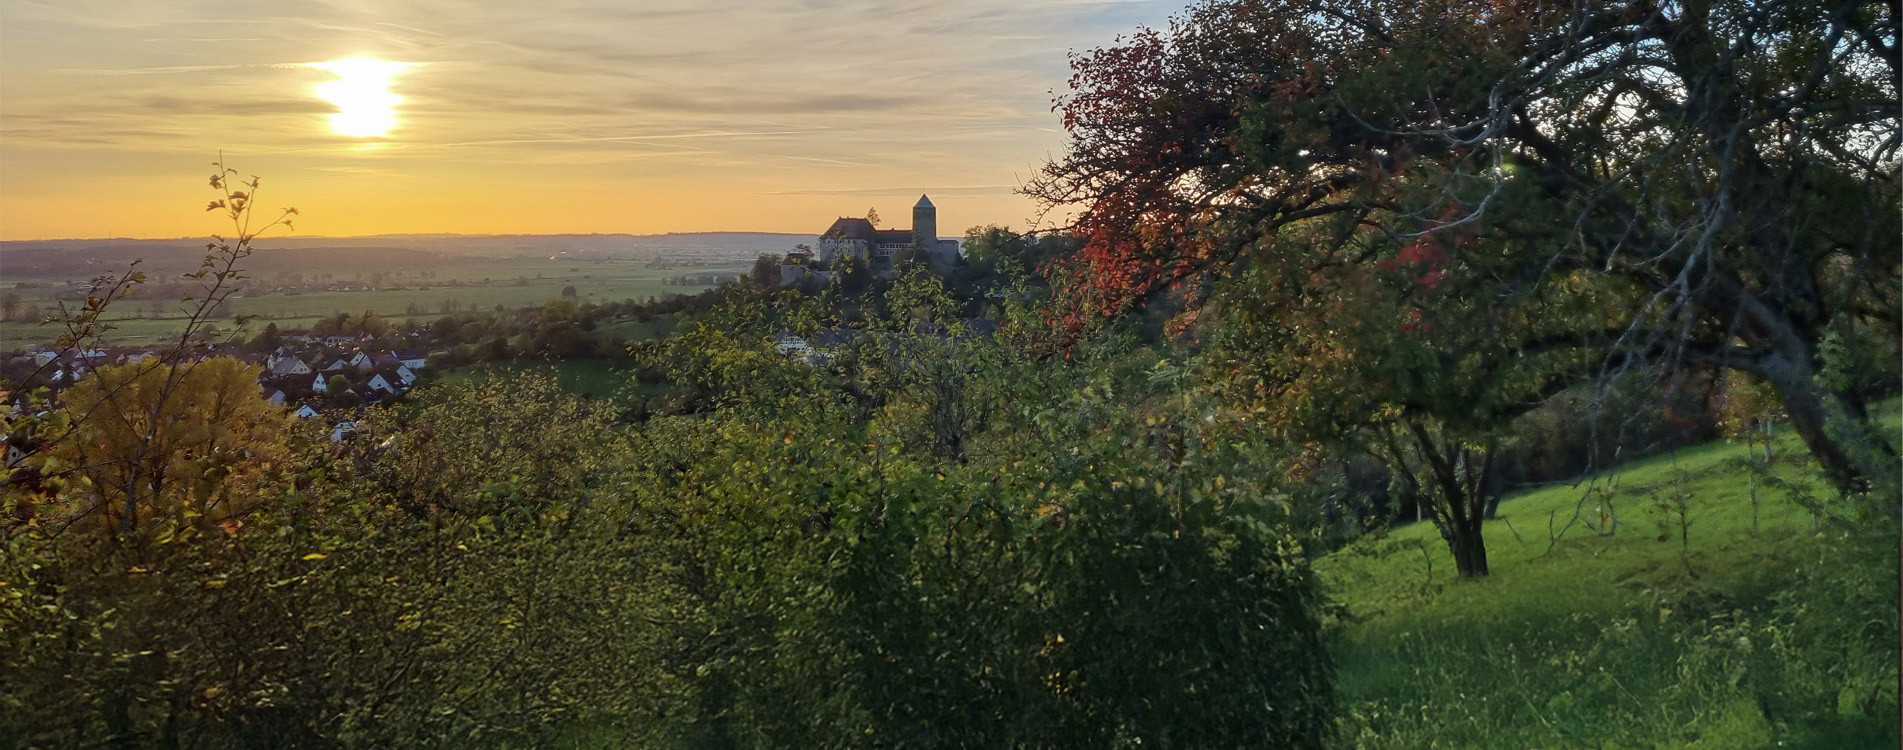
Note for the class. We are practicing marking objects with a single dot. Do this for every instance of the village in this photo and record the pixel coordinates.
(306, 373)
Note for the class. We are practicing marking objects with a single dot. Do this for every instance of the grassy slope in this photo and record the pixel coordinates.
(1782, 636)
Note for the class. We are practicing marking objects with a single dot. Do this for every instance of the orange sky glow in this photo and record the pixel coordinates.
(375, 116)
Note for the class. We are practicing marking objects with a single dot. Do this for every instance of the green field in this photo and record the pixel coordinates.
(1778, 632)
(486, 284)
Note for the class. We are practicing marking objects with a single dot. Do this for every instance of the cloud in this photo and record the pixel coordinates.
(773, 97)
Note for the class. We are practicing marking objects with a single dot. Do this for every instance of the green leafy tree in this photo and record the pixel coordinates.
(1032, 589)
(766, 271)
(371, 323)
(1720, 170)
(852, 274)
(267, 340)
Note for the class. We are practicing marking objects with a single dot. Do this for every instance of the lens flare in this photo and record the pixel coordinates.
(365, 106)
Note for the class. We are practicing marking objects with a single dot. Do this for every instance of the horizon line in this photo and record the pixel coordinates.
(413, 234)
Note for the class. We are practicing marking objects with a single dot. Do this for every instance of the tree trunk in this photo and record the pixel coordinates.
(1470, 552)
(1462, 491)
(1855, 458)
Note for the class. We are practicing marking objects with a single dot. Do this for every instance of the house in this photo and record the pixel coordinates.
(362, 361)
(879, 247)
(790, 344)
(405, 375)
(818, 351)
(318, 385)
(289, 366)
(337, 366)
(276, 398)
(378, 383)
(305, 412)
(413, 360)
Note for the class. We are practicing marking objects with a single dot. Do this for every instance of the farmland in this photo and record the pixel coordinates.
(297, 287)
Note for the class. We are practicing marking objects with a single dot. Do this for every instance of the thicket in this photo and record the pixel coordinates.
(813, 560)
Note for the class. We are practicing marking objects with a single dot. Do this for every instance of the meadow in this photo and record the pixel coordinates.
(463, 283)
(1696, 600)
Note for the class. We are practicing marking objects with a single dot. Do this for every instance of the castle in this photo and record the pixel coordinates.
(858, 238)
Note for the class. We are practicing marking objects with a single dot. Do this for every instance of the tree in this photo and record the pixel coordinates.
(1724, 172)
(851, 273)
(372, 324)
(267, 340)
(568, 292)
(986, 246)
(166, 447)
(980, 546)
(336, 323)
(766, 271)
(48, 432)
(9, 304)
(872, 217)
(1421, 360)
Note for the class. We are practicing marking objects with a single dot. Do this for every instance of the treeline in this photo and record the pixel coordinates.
(560, 329)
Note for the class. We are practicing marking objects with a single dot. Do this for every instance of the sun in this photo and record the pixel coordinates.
(365, 106)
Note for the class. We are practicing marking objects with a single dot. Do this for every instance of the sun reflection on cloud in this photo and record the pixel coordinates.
(365, 106)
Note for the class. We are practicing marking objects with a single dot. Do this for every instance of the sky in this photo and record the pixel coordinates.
(556, 116)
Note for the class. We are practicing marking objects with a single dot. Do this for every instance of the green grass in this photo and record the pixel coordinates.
(633, 330)
(1781, 633)
(508, 282)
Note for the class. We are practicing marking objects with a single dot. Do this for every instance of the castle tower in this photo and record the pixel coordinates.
(925, 224)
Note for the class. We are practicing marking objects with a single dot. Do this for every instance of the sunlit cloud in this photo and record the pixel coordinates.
(575, 115)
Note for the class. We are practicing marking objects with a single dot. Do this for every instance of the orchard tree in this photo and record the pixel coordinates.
(1721, 174)
(1420, 360)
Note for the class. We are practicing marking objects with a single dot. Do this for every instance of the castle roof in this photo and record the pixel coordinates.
(848, 228)
(924, 202)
